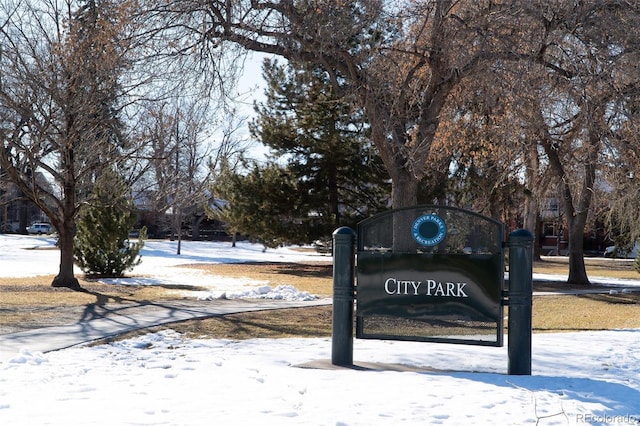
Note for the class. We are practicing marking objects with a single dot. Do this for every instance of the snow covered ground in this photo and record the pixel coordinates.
(25, 256)
(590, 378)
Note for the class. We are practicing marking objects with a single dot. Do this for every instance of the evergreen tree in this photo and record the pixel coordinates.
(323, 171)
(260, 204)
(102, 246)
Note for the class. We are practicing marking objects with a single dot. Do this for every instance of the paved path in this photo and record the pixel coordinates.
(104, 322)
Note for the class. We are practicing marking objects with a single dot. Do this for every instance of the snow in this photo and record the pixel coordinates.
(29, 256)
(166, 379)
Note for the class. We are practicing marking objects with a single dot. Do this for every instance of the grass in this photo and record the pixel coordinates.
(297, 322)
(32, 302)
(596, 266)
(37, 291)
(586, 312)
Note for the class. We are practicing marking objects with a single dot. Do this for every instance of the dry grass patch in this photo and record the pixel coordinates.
(37, 291)
(586, 312)
(554, 314)
(312, 321)
(596, 267)
(32, 302)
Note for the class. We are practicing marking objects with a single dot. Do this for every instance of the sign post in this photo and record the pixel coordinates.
(520, 301)
(343, 289)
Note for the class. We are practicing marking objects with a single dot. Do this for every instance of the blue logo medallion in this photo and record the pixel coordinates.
(429, 230)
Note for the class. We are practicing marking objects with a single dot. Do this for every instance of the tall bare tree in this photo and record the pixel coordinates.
(62, 63)
(401, 63)
(563, 110)
(581, 87)
(179, 154)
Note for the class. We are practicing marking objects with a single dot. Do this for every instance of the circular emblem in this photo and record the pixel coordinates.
(429, 230)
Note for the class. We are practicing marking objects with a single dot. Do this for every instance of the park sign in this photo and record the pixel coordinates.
(430, 273)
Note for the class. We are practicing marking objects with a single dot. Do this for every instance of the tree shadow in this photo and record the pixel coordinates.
(99, 309)
(103, 320)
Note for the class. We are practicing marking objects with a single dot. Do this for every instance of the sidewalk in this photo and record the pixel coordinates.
(111, 322)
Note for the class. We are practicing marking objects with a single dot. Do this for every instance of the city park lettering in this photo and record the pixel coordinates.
(433, 288)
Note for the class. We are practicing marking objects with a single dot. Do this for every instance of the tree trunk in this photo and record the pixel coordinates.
(334, 205)
(66, 225)
(195, 230)
(577, 220)
(22, 216)
(178, 228)
(576, 207)
(404, 190)
(532, 205)
(404, 193)
(66, 277)
(577, 269)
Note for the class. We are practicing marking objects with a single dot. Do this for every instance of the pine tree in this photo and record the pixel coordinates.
(323, 172)
(102, 246)
(259, 204)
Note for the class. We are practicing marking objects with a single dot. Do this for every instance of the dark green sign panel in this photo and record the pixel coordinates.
(430, 273)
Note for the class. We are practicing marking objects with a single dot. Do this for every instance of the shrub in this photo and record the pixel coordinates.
(102, 246)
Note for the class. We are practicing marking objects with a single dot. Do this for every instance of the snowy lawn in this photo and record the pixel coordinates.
(165, 379)
(162, 379)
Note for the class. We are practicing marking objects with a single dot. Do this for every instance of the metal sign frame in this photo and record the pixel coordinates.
(430, 273)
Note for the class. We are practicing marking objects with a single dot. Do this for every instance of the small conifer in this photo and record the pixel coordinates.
(102, 246)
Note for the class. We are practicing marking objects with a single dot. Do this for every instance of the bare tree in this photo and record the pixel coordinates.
(177, 173)
(59, 104)
(231, 146)
(402, 63)
(562, 111)
(184, 155)
(580, 88)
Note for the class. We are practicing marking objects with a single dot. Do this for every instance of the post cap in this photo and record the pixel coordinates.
(344, 230)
